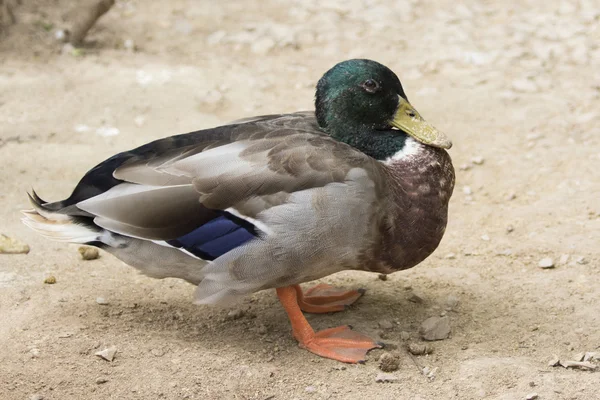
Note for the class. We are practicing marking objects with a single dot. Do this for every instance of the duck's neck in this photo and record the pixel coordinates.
(379, 144)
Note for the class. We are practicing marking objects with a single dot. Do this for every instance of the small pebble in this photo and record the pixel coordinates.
(107, 354)
(382, 277)
(129, 44)
(156, 352)
(429, 373)
(235, 314)
(404, 335)
(101, 380)
(139, 120)
(451, 302)
(581, 260)
(88, 252)
(419, 349)
(509, 228)
(107, 131)
(478, 160)
(9, 245)
(467, 190)
(415, 298)
(450, 256)
(310, 389)
(546, 263)
(435, 328)
(102, 301)
(389, 362)
(511, 196)
(61, 35)
(50, 280)
(563, 259)
(36, 396)
(532, 396)
(485, 238)
(385, 324)
(386, 378)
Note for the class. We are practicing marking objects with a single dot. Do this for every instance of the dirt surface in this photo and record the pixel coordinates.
(516, 87)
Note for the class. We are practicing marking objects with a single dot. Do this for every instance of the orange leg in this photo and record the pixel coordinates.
(324, 298)
(341, 343)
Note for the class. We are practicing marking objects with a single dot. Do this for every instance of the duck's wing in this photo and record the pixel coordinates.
(165, 190)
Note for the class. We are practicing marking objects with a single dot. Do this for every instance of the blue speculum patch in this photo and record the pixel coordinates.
(216, 237)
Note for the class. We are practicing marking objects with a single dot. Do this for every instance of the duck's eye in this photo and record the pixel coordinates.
(370, 85)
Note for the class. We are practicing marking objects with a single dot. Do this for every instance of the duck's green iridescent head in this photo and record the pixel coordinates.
(360, 102)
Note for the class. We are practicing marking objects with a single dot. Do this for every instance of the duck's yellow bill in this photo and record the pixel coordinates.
(410, 121)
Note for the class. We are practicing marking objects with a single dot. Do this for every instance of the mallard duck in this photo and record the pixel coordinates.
(361, 183)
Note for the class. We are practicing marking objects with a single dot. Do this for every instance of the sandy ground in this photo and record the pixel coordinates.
(517, 88)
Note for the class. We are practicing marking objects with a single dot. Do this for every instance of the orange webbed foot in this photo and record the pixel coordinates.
(341, 343)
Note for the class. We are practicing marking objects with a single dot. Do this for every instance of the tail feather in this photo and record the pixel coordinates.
(57, 226)
(39, 207)
(35, 198)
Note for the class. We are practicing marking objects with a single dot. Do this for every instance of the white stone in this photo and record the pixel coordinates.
(107, 354)
(477, 160)
(139, 120)
(107, 131)
(128, 44)
(81, 128)
(546, 263)
(102, 301)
